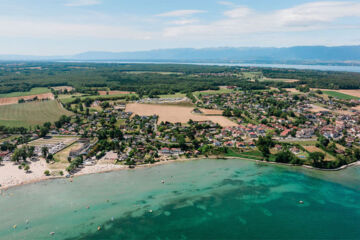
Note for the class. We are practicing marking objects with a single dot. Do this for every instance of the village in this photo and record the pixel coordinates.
(310, 126)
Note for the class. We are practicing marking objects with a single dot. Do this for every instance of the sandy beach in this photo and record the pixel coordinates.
(11, 176)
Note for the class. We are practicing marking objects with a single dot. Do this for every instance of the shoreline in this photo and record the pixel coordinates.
(116, 168)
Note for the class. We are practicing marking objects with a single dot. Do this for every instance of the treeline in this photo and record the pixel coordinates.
(316, 79)
(157, 79)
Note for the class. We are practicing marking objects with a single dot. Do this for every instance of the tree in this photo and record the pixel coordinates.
(18, 154)
(112, 120)
(105, 105)
(317, 158)
(1, 160)
(50, 156)
(47, 125)
(264, 144)
(323, 141)
(31, 151)
(47, 173)
(286, 157)
(227, 112)
(27, 168)
(43, 131)
(44, 151)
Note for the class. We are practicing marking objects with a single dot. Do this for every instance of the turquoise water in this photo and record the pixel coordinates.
(204, 199)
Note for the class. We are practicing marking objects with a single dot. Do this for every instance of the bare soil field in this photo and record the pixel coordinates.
(211, 112)
(175, 114)
(102, 93)
(316, 108)
(14, 100)
(292, 90)
(62, 88)
(281, 80)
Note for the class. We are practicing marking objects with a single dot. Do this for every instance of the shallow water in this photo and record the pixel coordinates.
(204, 199)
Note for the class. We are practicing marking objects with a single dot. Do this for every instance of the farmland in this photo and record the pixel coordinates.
(34, 91)
(31, 114)
(340, 95)
(111, 93)
(175, 114)
(63, 88)
(69, 98)
(213, 92)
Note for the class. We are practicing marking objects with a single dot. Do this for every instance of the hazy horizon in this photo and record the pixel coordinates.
(68, 27)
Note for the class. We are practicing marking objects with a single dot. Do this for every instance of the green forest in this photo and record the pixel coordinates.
(156, 79)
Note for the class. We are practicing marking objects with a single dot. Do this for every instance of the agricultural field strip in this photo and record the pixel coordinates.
(30, 114)
(34, 91)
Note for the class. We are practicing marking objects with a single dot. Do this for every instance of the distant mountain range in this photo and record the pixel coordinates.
(296, 55)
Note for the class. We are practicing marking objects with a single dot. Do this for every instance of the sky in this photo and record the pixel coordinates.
(65, 27)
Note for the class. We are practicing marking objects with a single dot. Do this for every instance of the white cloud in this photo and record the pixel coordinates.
(78, 3)
(183, 21)
(180, 13)
(50, 30)
(240, 21)
(238, 12)
(318, 12)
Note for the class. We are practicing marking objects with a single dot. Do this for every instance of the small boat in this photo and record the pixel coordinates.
(14, 227)
(301, 202)
(99, 228)
(150, 211)
(163, 181)
(52, 233)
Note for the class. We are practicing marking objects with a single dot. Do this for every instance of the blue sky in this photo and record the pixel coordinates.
(61, 27)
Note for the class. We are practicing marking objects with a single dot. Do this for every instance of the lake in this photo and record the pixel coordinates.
(337, 68)
(202, 199)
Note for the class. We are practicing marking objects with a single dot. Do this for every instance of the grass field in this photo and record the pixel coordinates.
(254, 154)
(66, 99)
(176, 95)
(33, 91)
(339, 95)
(212, 92)
(31, 114)
(61, 157)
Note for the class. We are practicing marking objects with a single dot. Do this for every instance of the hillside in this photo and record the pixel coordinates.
(294, 55)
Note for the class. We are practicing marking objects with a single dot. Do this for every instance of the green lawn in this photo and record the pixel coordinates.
(33, 91)
(255, 154)
(212, 92)
(339, 95)
(120, 122)
(31, 114)
(70, 99)
(176, 95)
